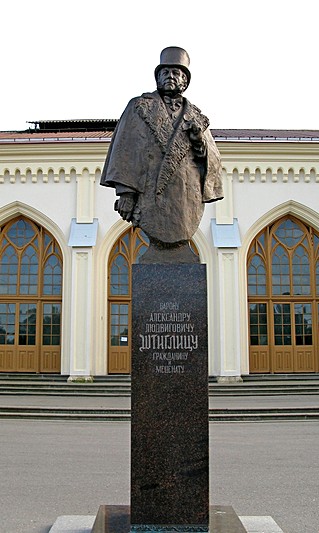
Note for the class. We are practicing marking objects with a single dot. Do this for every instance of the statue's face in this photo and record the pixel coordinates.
(171, 80)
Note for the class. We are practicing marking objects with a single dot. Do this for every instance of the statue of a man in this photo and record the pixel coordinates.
(164, 163)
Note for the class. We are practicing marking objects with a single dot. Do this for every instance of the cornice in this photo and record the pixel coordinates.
(270, 161)
(50, 162)
(242, 161)
(253, 149)
(47, 151)
(228, 149)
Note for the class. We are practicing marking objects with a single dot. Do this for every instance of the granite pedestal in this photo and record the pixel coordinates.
(169, 413)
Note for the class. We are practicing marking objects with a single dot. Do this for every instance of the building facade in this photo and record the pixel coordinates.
(65, 256)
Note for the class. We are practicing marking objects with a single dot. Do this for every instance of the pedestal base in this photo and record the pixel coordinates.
(116, 519)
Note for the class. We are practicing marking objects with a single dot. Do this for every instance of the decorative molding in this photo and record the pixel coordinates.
(45, 162)
(272, 162)
(226, 256)
(275, 174)
(56, 174)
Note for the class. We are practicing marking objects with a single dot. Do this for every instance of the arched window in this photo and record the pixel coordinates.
(283, 276)
(125, 252)
(128, 249)
(30, 298)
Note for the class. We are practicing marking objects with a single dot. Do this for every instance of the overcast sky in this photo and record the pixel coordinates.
(254, 63)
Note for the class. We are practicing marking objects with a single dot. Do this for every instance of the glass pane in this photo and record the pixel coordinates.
(282, 324)
(47, 240)
(124, 320)
(7, 323)
(115, 309)
(28, 281)
(8, 271)
(289, 233)
(114, 330)
(257, 276)
(317, 278)
(20, 233)
(119, 324)
(123, 290)
(280, 272)
(141, 251)
(303, 324)
(119, 276)
(141, 244)
(51, 324)
(124, 337)
(258, 324)
(27, 323)
(126, 239)
(300, 272)
(52, 276)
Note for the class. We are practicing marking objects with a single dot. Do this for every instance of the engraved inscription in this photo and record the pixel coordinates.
(169, 306)
(168, 342)
(169, 337)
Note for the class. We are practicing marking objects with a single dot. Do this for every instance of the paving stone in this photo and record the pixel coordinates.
(260, 524)
(73, 524)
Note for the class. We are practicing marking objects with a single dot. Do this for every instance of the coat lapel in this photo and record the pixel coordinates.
(174, 143)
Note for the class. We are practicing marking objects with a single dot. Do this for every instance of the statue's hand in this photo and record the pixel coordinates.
(125, 205)
(195, 134)
(196, 137)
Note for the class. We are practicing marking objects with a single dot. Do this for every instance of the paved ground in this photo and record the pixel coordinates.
(50, 469)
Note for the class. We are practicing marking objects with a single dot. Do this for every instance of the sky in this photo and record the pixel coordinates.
(254, 63)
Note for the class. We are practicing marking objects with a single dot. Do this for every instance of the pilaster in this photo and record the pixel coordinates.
(85, 197)
(227, 347)
(81, 312)
(225, 208)
(228, 300)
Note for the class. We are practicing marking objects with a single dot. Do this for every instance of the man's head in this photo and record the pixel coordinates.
(171, 81)
(174, 62)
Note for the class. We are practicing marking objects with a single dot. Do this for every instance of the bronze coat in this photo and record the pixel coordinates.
(150, 156)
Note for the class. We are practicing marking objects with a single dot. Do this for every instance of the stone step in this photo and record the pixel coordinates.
(68, 391)
(120, 385)
(115, 389)
(281, 377)
(20, 376)
(215, 415)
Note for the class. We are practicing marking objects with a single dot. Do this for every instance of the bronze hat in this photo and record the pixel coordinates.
(173, 56)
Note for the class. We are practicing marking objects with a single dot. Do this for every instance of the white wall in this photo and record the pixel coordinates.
(55, 184)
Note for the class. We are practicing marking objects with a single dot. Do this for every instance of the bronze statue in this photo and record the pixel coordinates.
(164, 163)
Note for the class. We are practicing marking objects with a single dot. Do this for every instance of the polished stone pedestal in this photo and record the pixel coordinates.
(169, 413)
(116, 519)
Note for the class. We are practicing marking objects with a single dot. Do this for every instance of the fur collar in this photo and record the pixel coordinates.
(174, 143)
